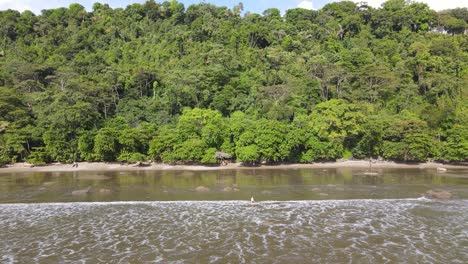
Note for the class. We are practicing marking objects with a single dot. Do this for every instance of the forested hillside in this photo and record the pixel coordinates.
(170, 83)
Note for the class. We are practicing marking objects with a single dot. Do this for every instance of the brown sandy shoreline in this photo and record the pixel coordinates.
(102, 166)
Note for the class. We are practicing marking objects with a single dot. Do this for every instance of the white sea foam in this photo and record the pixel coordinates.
(68, 204)
(384, 231)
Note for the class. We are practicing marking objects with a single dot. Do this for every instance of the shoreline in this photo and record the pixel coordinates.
(102, 166)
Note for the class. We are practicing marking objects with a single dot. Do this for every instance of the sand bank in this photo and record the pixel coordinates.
(102, 166)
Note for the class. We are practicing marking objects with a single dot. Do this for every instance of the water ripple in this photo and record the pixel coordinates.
(363, 231)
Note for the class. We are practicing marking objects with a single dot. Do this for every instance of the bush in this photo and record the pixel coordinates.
(192, 150)
(4, 160)
(105, 144)
(209, 157)
(131, 157)
(38, 157)
(248, 154)
(86, 146)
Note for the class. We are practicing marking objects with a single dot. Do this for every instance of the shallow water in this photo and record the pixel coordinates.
(303, 216)
(263, 184)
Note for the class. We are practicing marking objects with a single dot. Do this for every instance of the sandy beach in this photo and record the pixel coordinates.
(102, 166)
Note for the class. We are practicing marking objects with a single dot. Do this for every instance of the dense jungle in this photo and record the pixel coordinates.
(178, 84)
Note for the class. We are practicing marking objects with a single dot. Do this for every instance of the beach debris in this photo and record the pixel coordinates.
(439, 194)
(252, 200)
(441, 169)
(371, 173)
(202, 189)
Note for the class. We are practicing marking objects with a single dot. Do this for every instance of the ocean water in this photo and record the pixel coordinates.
(342, 220)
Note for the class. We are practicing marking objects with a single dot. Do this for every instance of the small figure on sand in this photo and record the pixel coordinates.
(75, 164)
(252, 200)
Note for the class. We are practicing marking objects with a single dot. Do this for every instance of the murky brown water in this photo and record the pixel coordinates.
(304, 215)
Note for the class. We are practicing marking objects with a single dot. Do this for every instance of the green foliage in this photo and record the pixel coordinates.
(209, 157)
(177, 84)
(191, 150)
(131, 157)
(204, 123)
(372, 138)
(347, 154)
(38, 156)
(321, 150)
(407, 139)
(162, 145)
(4, 153)
(86, 146)
(4, 160)
(455, 25)
(59, 147)
(394, 150)
(248, 154)
(12, 148)
(338, 123)
(132, 140)
(456, 146)
(105, 144)
(419, 147)
(270, 139)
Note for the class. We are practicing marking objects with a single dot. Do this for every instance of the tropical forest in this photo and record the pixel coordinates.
(170, 83)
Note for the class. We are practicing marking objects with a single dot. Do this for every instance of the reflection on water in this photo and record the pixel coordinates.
(264, 184)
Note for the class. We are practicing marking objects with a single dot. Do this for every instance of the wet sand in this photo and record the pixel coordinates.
(102, 166)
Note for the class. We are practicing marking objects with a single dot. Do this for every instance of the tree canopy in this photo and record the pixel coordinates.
(171, 83)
